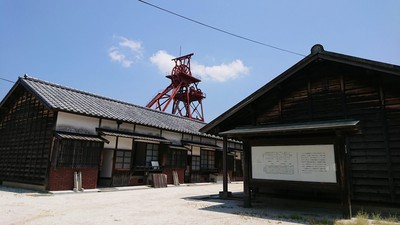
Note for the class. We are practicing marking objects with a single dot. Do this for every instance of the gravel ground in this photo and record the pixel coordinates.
(185, 204)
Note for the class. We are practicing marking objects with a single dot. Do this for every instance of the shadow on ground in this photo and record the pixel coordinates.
(271, 209)
(17, 191)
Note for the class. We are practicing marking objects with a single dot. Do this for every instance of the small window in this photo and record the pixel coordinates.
(195, 163)
(151, 153)
(78, 154)
(177, 158)
(207, 159)
(123, 160)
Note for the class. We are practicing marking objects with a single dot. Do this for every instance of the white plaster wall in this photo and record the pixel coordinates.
(196, 138)
(172, 136)
(126, 127)
(125, 143)
(111, 143)
(187, 137)
(147, 130)
(110, 124)
(234, 145)
(106, 167)
(207, 140)
(195, 150)
(221, 143)
(74, 123)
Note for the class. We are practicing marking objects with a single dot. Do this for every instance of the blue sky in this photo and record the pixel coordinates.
(123, 49)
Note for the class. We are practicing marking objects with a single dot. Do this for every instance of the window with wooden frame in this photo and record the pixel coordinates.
(177, 158)
(207, 159)
(151, 153)
(195, 163)
(123, 160)
(79, 154)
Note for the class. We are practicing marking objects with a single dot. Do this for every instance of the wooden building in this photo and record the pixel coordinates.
(328, 127)
(48, 132)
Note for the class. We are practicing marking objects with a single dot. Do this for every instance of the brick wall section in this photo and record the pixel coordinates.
(63, 178)
(170, 178)
(238, 179)
(136, 181)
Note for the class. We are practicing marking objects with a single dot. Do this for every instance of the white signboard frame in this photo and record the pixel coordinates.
(308, 163)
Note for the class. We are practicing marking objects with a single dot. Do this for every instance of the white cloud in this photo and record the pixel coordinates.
(116, 55)
(134, 46)
(219, 73)
(163, 61)
(126, 52)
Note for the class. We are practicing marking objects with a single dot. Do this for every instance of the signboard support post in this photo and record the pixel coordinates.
(225, 193)
(246, 173)
(344, 183)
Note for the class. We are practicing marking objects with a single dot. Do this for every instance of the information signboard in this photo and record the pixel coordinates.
(310, 163)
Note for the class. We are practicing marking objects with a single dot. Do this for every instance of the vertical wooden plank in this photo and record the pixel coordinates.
(159, 180)
(310, 100)
(386, 141)
(343, 177)
(343, 91)
(224, 164)
(246, 174)
(225, 193)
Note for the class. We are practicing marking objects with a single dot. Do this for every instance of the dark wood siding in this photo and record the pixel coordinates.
(370, 173)
(392, 121)
(329, 91)
(25, 138)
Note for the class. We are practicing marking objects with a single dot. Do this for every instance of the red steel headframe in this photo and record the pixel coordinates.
(183, 92)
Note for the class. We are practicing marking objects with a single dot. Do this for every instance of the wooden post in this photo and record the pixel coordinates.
(225, 193)
(344, 179)
(246, 174)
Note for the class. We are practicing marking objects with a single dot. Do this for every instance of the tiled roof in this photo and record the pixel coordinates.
(61, 98)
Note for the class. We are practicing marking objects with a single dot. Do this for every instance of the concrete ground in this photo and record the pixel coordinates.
(184, 204)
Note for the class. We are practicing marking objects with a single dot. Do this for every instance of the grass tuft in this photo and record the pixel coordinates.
(363, 218)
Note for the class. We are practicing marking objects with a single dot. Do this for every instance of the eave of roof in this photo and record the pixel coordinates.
(326, 55)
(133, 135)
(318, 126)
(80, 137)
(200, 144)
